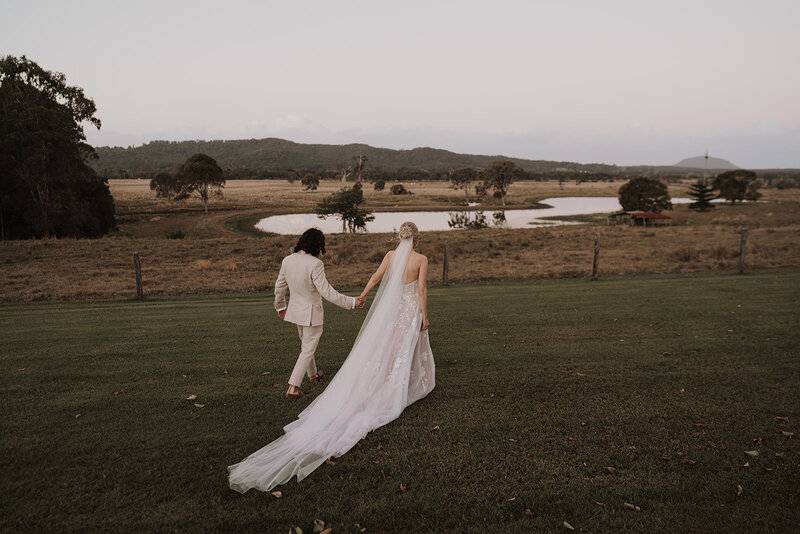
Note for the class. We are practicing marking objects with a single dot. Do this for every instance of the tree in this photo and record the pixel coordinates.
(345, 205)
(644, 194)
(361, 163)
(733, 185)
(310, 182)
(753, 194)
(463, 179)
(499, 176)
(702, 193)
(379, 185)
(199, 176)
(46, 186)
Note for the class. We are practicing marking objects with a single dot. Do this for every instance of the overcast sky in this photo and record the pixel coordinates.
(625, 82)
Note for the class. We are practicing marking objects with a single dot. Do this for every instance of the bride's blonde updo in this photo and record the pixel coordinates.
(408, 229)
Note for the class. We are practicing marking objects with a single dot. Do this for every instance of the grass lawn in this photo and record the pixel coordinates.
(567, 398)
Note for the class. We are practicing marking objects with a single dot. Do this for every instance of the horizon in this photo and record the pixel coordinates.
(618, 84)
(710, 156)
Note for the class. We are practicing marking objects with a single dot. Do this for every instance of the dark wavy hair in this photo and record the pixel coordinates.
(312, 242)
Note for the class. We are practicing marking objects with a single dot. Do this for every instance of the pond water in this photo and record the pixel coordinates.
(297, 223)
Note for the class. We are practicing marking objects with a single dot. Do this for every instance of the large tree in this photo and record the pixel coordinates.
(463, 179)
(498, 176)
(644, 194)
(345, 205)
(199, 176)
(703, 194)
(46, 186)
(733, 185)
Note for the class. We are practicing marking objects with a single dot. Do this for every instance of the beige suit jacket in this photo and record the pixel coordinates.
(304, 276)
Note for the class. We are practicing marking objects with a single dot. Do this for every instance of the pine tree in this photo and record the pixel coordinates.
(703, 194)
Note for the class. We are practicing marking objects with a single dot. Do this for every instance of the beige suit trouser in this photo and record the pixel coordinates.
(309, 339)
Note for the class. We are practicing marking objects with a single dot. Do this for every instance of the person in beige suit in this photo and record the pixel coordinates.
(303, 274)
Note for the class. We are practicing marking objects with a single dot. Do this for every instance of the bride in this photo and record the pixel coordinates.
(389, 367)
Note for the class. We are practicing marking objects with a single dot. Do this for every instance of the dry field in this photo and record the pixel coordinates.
(213, 259)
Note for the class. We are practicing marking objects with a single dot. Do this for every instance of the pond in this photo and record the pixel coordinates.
(389, 221)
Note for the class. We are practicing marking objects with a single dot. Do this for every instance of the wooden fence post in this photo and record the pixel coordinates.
(137, 268)
(596, 255)
(446, 261)
(742, 250)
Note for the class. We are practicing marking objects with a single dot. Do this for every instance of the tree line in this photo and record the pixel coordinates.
(47, 187)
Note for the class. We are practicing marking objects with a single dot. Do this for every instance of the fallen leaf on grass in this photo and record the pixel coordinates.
(611, 470)
(739, 490)
(512, 440)
(528, 512)
(191, 397)
(665, 457)
(630, 506)
(403, 488)
(751, 453)
(329, 461)
(25, 370)
(788, 434)
(701, 425)
(277, 494)
(598, 503)
(435, 428)
(119, 392)
(568, 526)
(265, 373)
(319, 526)
(746, 464)
(687, 461)
(295, 530)
(199, 405)
(376, 462)
(780, 454)
(225, 372)
(580, 374)
(327, 531)
(511, 499)
(77, 415)
(782, 418)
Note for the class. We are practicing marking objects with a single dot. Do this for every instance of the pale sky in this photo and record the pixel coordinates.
(625, 82)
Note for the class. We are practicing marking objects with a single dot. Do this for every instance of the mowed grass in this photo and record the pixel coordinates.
(568, 398)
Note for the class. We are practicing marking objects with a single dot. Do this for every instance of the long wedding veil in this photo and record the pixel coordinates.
(356, 401)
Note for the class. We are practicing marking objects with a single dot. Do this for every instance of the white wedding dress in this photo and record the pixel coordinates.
(389, 367)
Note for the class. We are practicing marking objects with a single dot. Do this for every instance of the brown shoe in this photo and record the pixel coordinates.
(317, 377)
(298, 395)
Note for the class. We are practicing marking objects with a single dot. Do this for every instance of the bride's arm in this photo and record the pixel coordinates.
(422, 286)
(375, 278)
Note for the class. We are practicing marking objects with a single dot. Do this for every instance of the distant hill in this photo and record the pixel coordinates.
(698, 162)
(280, 154)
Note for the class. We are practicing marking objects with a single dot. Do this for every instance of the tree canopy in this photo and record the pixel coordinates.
(703, 194)
(463, 179)
(733, 185)
(644, 194)
(199, 176)
(499, 176)
(345, 205)
(47, 187)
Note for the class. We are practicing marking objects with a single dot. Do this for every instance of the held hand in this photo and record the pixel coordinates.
(425, 324)
(282, 314)
(360, 302)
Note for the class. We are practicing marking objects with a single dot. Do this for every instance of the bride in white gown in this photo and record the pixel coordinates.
(389, 367)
